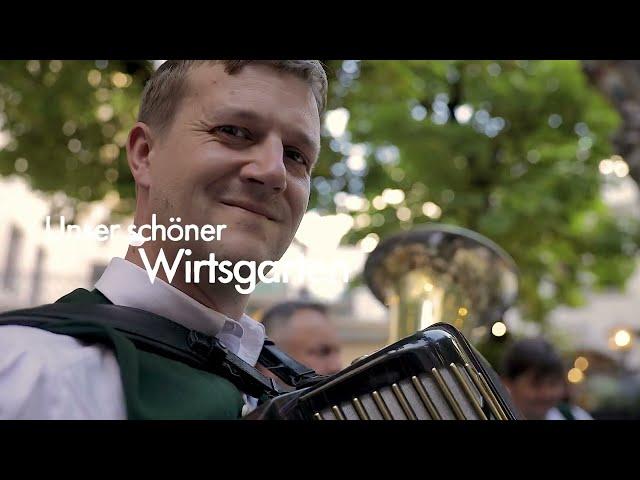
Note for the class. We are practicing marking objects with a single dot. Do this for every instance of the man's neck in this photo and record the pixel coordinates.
(222, 298)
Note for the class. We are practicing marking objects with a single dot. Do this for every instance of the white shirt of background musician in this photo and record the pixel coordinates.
(577, 412)
(49, 376)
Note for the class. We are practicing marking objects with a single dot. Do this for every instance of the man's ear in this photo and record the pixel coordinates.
(139, 146)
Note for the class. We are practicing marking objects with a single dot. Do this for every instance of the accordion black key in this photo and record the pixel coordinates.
(434, 374)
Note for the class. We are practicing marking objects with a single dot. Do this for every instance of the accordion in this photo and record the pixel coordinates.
(434, 374)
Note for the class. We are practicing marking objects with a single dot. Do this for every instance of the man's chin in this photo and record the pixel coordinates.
(255, 255)
(235, 248)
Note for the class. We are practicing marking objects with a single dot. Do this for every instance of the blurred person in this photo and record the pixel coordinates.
(566, 409)
(303, 330)
(222, 142)
(534, 374)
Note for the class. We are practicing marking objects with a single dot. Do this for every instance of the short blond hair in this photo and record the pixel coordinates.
(166, 87)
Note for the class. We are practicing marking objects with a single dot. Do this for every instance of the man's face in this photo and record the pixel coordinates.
(535, 395)
(311, 339)
(238, 152)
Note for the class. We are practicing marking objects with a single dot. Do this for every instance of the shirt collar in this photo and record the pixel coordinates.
(126, 284)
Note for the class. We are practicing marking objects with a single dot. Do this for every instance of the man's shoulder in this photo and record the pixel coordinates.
(40, 344)
(578, 413)
(51, 350)
(45, 375)
(554, 414)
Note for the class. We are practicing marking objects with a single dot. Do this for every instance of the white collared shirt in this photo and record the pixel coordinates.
(128, 285)
(49, 376)
(577, 412)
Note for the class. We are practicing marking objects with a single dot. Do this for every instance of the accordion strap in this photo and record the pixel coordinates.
(156, 334)
(286, 368)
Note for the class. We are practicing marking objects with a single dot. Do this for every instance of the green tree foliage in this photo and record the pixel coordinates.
(509, 149)
(68, 123)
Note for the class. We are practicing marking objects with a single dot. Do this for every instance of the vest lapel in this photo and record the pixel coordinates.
(83, 296)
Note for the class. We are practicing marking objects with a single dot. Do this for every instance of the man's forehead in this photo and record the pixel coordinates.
(305, 321)
(257, 92)
(248, 84)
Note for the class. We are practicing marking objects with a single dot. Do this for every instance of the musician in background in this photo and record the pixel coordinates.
(567, 410)
(303, 330)
(534, 374)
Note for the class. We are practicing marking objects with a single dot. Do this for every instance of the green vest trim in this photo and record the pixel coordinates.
(156, 387)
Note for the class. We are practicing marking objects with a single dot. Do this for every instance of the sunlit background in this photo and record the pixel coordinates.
(539, 156)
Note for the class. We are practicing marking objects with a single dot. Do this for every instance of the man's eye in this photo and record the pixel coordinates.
(296, 156)
(233, 131)
(323, 351)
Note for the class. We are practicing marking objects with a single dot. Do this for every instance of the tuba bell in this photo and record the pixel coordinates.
(441, 273)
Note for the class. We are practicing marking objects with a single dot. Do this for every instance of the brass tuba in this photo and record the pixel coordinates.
(441, 273)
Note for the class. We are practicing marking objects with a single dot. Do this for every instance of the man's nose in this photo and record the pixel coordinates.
(267, 166)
